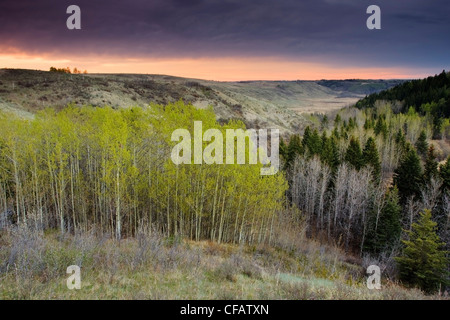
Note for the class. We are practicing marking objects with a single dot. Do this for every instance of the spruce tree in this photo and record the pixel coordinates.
(390, 227)
(371, 157)
(422, 144)
(385, 231)
(335, 133)
(294, 149)
(330, 152)
(324, 141)
(306, 138)
(400, 140)
(335, 162)
(351, 123)
(423, 262)
(444, 173)
(306, 133)
(337, 120)
(343, 134)
(408, 175)
(381, 127)
(324, 122)
(314, 143)
(368, 124)
(431, 165)
(354, 155)
(283, 149)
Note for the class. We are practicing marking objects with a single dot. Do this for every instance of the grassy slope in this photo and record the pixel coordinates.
(151, 267)
(268, 104)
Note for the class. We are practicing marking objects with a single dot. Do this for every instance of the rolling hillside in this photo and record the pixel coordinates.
(269, 104)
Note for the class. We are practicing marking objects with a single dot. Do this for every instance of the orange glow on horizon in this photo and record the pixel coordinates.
(218, 69)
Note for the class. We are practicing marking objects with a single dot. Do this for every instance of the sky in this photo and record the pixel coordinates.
(230, 40)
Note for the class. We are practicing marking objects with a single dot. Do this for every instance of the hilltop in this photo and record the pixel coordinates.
(270, 104)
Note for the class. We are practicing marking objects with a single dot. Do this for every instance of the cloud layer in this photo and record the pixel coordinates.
(414, 33)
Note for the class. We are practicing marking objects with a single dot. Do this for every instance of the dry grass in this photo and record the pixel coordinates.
(151, 266)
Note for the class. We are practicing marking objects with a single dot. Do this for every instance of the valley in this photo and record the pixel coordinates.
(285, 105)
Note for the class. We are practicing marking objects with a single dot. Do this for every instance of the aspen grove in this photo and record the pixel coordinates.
(85, 167)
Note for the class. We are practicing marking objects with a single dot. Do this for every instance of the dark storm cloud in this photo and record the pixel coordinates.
(414, 32)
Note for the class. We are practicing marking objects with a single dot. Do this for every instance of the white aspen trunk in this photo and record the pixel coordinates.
(72, 195)
(118, 217)
(213, 229)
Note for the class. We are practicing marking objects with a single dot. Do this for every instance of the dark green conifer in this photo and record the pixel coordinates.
(372, 158)
(424, 262)
(408, 175)
(422, 143)
(354, 155)
(431, 165)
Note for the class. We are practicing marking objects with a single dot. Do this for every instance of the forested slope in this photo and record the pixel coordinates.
(371, 175)
(430, 96)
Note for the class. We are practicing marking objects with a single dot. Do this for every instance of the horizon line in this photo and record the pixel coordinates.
(202, 79)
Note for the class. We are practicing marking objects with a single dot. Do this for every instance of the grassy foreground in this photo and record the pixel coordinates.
(33, 266)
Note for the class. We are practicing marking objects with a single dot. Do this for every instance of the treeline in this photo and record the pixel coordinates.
(112, 168)
(430, 96)
(67, 70)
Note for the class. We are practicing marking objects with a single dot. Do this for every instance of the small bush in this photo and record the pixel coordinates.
(296, 290)
(246, 267)
(226, 271)
(26, 251)
(213, 249)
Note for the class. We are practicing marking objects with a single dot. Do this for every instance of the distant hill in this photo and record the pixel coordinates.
(360, 87)
(268, 104)
(415, 93)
